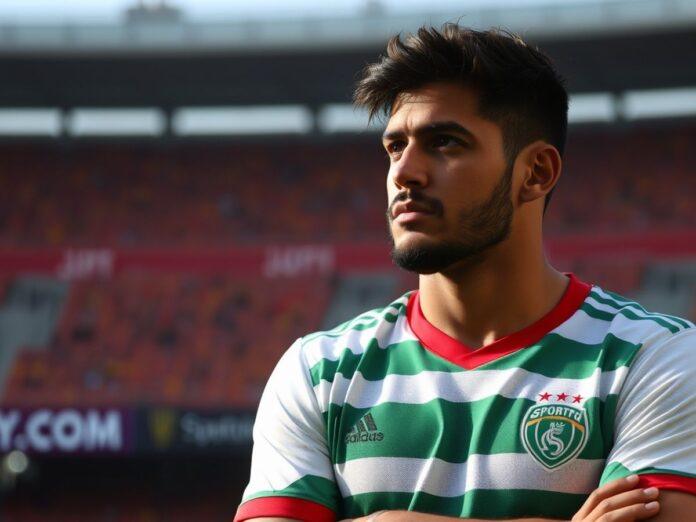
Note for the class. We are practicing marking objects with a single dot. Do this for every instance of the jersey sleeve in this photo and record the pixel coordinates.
(655, 424)
(291, 472)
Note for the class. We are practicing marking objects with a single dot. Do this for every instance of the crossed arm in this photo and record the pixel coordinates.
(617, 501)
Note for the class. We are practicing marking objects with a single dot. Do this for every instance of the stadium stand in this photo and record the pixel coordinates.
(175, 339)
(626, 191)
(212, 339)
(116, 195)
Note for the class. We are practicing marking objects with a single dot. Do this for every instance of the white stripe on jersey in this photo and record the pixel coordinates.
(447, 479)
(588, 330)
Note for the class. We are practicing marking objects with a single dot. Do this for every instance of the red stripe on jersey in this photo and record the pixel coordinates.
(454, 351)
(668, 481)
(289, 507)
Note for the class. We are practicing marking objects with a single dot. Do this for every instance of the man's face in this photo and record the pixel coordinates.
(449, 183)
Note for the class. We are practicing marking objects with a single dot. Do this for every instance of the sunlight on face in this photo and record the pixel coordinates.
(448, 184)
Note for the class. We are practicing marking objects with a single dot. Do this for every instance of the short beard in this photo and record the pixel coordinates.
(480, 228)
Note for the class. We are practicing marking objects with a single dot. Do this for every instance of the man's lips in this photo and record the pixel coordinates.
(408, 208)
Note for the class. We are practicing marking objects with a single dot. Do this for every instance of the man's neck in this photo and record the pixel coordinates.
(479, 303)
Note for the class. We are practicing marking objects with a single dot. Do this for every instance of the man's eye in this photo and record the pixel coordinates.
(395, 146)
(445, 141)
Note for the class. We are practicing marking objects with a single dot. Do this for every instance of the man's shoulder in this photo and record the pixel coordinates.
(629, 319)
(379, 325)
(665, 344)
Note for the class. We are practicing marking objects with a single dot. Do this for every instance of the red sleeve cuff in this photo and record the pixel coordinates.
(288, 507)
(668, 481)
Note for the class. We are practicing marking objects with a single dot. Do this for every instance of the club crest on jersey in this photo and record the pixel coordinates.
(554, 433)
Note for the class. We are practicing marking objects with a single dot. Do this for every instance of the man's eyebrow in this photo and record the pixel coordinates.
(432, 128)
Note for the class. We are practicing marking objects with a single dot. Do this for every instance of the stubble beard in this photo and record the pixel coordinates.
(480, 229)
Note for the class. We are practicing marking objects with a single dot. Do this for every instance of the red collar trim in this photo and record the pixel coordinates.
(454, 351)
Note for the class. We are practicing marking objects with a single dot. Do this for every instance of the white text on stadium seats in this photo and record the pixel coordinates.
(302, 260)
(83, 264)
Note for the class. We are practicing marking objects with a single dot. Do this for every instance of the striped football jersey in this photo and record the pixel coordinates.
(387, 412)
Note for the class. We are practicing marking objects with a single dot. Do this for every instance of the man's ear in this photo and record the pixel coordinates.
(541, 164)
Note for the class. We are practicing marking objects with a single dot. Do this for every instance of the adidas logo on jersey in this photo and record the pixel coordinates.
(365, 430)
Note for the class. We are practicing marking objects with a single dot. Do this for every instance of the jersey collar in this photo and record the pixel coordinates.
(460, 354)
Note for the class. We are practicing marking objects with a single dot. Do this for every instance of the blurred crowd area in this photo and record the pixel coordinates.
(187, 194)
(191, 195)
(179, 339)
(192, 339)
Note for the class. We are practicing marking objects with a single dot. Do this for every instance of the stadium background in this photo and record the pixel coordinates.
(182, 199)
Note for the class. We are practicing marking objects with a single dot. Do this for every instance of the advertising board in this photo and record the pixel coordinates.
(194, 431)
(66, 430)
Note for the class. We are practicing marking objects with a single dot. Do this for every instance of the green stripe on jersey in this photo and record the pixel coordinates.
(608, 419)
(404, 427)
(628, 313)
(404, 358)
(553, 356)
(560, 357)
(621, 303)
(478, 503)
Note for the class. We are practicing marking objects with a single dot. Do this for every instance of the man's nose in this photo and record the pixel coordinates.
(411, 169)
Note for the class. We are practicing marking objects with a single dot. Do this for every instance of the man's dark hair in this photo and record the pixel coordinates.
(518, 87)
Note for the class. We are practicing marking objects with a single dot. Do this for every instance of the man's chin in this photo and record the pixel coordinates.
(412, 240)
(423, 257)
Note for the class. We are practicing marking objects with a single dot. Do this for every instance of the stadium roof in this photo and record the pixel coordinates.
(162, 28)
(603, 47)
(611, 63)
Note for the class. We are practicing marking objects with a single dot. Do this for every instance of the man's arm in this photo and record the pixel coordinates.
(402, 516)
(617, 501)
(654, 423)
(674, 506)
(612, 502)
(291, 472)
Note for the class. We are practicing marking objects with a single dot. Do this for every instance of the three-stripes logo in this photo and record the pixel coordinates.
(365, 430)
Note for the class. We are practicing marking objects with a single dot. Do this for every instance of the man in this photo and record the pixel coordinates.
(501, 388)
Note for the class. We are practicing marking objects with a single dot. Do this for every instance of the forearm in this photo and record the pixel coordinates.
(410, 516)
